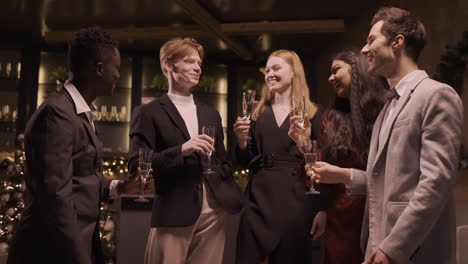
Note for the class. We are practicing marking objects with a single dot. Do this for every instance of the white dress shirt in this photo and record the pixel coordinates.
(400, 88)
(80, 103)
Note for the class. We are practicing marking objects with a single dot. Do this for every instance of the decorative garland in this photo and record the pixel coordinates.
(452, 66)
(12, 189)
(451, 71)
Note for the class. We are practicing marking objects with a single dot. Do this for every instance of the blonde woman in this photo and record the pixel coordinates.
(278, 217)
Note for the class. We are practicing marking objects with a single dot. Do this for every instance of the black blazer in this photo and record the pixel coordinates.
(159, 126)
(64, 185)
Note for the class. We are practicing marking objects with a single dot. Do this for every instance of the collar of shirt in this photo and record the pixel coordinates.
(180, 99)
(80, 103)
(402, 85)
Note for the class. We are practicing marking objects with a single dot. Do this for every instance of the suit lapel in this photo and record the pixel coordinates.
(91, 134)
(202, 117)
(203, 120)
(398, 108)
(174, 115)
(94, 139)
(374, 144)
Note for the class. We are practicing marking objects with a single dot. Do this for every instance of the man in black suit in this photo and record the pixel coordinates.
(190, 207)
(64, 161)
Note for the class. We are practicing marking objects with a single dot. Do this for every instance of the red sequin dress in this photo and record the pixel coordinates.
(344, 214)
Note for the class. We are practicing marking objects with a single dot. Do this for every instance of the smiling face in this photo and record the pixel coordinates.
(278, 75)
(186, 72)
(340, 78)
(379, 52)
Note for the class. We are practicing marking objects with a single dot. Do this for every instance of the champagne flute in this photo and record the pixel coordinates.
(248, 106)
(209, 131)
(145, 158)
(113, 113)
(8, 70)
(299, 108)
(123, 113)
(18, 70)
(309, 150)
(248, 99)
(6, 112)
(104, 113)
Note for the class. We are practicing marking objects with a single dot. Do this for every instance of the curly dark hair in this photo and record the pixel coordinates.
(398, 21)
(349, 128)
(89, 45)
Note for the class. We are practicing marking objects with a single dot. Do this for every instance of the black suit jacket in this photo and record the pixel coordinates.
(64, 185)
(159, 126)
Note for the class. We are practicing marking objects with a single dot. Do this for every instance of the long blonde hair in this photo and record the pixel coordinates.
(299, 84)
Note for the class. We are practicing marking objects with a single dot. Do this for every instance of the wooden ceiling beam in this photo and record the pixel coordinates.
(207, 21)
(285, 27)
(230, 29)
(132, 33)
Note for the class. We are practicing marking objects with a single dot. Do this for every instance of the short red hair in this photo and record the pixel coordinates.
(176, 49)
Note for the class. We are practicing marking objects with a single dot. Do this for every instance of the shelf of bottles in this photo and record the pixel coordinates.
(212, 88)
(52, 73)
(10, 73)
(112, 116)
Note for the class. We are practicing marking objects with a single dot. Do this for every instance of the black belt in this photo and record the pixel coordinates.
(274, 160)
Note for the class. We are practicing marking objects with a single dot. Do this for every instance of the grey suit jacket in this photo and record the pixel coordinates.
(410, 213)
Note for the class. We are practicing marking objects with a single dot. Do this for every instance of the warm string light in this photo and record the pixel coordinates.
(11, 196)
(115, 168)
(242, 171)
(241, 176)
(12, 190)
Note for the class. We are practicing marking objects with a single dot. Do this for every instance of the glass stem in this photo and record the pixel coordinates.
(142, 186)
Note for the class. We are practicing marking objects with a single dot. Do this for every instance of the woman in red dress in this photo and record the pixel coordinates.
(344, 139)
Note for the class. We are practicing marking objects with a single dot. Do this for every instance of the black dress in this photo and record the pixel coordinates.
(278, 214)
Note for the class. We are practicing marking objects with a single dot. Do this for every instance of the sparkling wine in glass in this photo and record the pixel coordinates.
(248, 103)
(309, 150)
(144, 163)
(209, 131)
(298, 104)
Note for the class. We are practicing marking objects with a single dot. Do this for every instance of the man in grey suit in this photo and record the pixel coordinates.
(413, 156)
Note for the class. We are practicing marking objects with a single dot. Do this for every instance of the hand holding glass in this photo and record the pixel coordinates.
(209, 131)
(309, 150)
(145, 158)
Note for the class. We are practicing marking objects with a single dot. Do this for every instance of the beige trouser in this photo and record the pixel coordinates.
(200, 243)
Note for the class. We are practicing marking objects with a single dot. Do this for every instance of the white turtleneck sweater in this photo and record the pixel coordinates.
(188, 110)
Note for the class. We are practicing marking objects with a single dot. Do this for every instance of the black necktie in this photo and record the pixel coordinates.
(392, 94)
